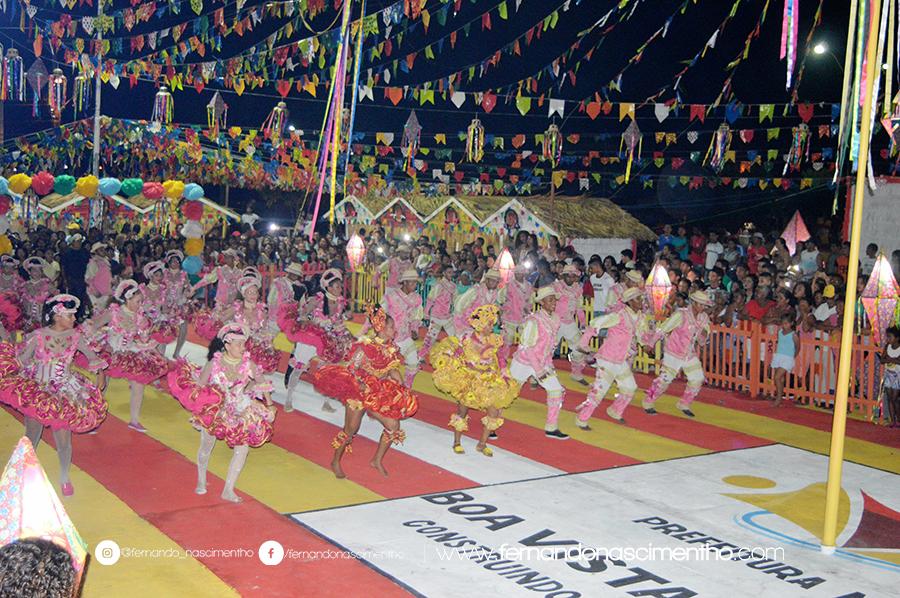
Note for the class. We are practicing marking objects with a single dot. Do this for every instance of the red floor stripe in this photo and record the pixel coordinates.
(159, 488)
(310, 438)
(569, 456)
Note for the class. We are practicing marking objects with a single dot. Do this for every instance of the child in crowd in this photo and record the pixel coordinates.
(786, 352)
(890, 358)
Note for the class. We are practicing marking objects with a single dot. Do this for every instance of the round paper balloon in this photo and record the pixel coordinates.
(19, 183)
(110, 186)
(153, 191)
(64, 184)
(193, 247)
(193, 191)
(192, 264)
(4, 186)
(131, 187)
(174, 189)
(42, 183)
(87, 186)
(5, 204)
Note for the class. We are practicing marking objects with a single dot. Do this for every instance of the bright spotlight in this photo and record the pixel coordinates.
(820, 48)
(273, 227)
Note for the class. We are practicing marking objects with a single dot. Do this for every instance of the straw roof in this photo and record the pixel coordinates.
(587, 218)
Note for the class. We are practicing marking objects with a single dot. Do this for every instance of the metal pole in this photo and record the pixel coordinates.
(96, 153)
(839, 422)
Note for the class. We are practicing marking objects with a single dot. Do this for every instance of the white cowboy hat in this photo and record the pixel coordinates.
(545, 292)
(96, 246)
(634, 276)
(294, 268)
(702, 298)
(411, 276)
(631, 294)
(492, 273)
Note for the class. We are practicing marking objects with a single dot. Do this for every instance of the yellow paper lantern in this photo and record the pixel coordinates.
(87, 186)
(19, 183)
(193, 246)
(173, 189)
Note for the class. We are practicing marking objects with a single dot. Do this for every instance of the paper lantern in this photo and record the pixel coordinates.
(192, 210)
(551, 148)
(56, 96)
(5, 205)
(475, 141)
(42, 183)
(658, 289)
(880, 297)
(19, 183)
(131, 187)
(193, 191)
(795, 232)
(274, 125)
(4, 186)
(174, 189)
(64, 184)
(163, 107)
(153, 191)
(30, 508)
(193, 247)
(193, 264)
(87, 186)
(506, 266)
(356, 251)
(110, 186)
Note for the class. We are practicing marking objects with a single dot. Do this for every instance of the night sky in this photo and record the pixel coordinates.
(760, 79)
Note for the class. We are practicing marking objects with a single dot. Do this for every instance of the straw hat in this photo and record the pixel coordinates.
(411, 276)
(702, 298)
(294, 268)
(97, 246)
(634, 276)
(492, 273)
(631, 294)
(545, 292)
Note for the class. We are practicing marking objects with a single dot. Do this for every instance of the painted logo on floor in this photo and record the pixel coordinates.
(672, 529)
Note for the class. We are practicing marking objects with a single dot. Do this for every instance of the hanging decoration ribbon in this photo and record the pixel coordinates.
(551, 147)
(632, 141)
(216, 114)
(56, 95)
(799, 148)
(789, 36)
(275, 124)
(13, 84)
(355, 96)
(475, 141)
(81, 94)
(718, 147)
(412, 136)
(163, 107)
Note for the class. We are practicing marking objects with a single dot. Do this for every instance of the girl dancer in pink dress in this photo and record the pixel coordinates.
(126, 345)
(253, 315)
(41, 385)
(230, 401)
(226, 278)
(318, 327)
(35, 291)
(177, 297)
(162, 330)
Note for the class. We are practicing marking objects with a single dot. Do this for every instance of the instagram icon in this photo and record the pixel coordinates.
(107, 552)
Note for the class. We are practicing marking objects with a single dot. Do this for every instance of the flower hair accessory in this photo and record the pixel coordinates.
(8, 260)
(231, 332)
(248, 281)
(126, 290)
(377, 317)
(63, 304)
(484, 317)
(153, 268)
(174, 254)
(330, 276)
(251, 272)
(35, 262)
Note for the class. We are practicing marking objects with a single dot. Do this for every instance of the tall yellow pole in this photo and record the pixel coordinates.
(839, 423)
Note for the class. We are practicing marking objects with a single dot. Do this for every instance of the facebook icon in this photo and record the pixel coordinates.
(271, 552)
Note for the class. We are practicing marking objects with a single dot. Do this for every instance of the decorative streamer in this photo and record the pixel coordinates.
(163, 107)
(56, 94)
(275, 124)
(216, 114)
(632, 141)
(412, 136)
(718, 147)
(475, 141)
(799, 148)
(789, 36)
(81, 94)
(354, 98)
(552, 145)
(13, 84)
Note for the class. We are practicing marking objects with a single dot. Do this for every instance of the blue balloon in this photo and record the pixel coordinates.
(109, 186)
(192, 264)
(193, 191)
(4, 186)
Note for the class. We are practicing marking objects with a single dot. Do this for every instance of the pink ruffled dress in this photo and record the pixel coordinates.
(126, 345)
(45, 387)
(34, 293)
(176, 296)
(259, 342)
(207, 321)
(162, 329)
(327, 333)
(224, 408)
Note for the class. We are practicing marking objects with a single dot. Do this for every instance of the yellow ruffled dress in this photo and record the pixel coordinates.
(468, 370)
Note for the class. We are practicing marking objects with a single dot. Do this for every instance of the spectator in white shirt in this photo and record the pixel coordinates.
(602, 282)
(714, 250)
(809, 260)
(249, 217)
(867, 264)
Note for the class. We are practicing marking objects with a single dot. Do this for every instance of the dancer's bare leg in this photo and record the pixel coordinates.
(234, 470)
(390, 435)
(343, 439)
(207, 442)
(461, 412)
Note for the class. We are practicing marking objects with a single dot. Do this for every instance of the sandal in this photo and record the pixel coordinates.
(486, 451)
(458, 449)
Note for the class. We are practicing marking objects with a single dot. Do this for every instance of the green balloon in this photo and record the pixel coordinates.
(131, 187)
(64, 184)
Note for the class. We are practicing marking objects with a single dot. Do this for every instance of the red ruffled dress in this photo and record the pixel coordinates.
(223, 407)
(126, 345)
(46, 388)
(162, 329)
(327, 333)
(364, 383)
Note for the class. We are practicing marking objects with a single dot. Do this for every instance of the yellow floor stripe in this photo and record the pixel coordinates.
(100, 515)
(274, 476)
(605, 434)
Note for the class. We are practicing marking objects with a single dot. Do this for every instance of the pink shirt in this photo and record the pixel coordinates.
(440, 300)
(518, 301)
(570, 302)
(539, 355)
(405, 310)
